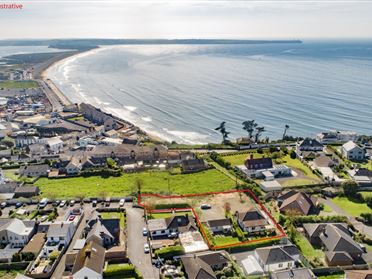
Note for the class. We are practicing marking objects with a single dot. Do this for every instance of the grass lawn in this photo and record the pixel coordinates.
(120, 271)
(153, 182)
(225, 240)
(366, 194)
(332, 276)
(351, 207)
(297, 182)
(12, 84)
(297, 164)
(167, 214)
(327, 208)
(10, 274)
(112, 215)
(307, 249)
(11, 174)
(239, 158)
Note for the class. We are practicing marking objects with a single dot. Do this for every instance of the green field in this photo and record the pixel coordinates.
(366, 194)
(239, 158)
(225, 240)
(298, 182)
(11, 84)
(153, 182)
(351, 207)
(367, 165)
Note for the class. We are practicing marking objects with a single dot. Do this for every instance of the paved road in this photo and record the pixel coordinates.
(53, 98)
(367, 230)
(135, 242)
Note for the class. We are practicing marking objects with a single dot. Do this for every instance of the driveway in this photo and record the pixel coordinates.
(367, 230)
(135, 242)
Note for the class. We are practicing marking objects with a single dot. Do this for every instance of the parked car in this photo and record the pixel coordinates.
(18, 204)
(121, 202)
(205, 206)
(72, 202)
(94, 203)
(43, 218)
(71, 217)
(43, 203)
(172, 235)
(62, 204)
(3, 205)
(146, 248)
(144, 231)
(107, 202)
(56, 203)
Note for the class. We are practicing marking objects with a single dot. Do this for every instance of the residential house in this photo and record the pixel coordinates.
(220, 225)
(263, 168)
(193, 165)
(204, 265)
(105, 232)
(297, 203)
(335, 238)
(25, 140)
(358, 274)
(301, 273)
(252, 221)
(54, 144)
(362, 176)
(35, 245)
(336, 137)
(308, 148)
(34, 170)
(353, 152)
(59, 235)
(175, 224)
(276, 258)
(89, 262)
(16, 232)
(26, 192)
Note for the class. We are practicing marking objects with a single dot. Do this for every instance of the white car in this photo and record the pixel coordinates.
(121, 202)
(62, 204)
(144, 231)
(146, 248)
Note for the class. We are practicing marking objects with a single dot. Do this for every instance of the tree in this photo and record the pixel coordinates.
(138, 184)
(249, 126)
(286, 127)
(54, 255)
(111, 163)
(223, 131)
(259, 131)
(350, 188)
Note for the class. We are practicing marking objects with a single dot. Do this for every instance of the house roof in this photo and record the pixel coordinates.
(59, 229)
(310, 143)
(92, 256)
(315, 229)
(338, 256)
(251, 218)
(22, 190)
(336, 239)
(196, 268)
(214, 258)
(358, 274)
(16, 225)
(34, 168)
(35, 244)
(350, 145)
(298, 201)
(259, 163)
(275, 254)
(109, 227)
(219, 222)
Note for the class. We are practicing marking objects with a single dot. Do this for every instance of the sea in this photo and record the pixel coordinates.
(182, 93)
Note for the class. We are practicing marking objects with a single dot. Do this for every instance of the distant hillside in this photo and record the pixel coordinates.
(89, 43)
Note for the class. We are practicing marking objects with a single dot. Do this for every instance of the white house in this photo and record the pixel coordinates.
(54, 144)
(277, 257)
(16, 232)
(59, 235)
(352, 151)
(220, 225)
(334, 137)
(252, 221)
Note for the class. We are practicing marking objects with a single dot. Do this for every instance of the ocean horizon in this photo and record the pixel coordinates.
(182, 92)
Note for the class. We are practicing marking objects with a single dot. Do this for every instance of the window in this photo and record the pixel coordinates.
(280, 265)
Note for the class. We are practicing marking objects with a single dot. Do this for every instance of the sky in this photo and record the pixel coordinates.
(232, 19)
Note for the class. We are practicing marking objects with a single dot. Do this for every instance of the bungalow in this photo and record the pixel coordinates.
(362, 176)
(54, 144)
(297, 203)
(263, 168)
(16, 232)
(220, 225)
(277, 257)
(89, 262)
(335, 238)
(204, 265)
(193, 165)
(252, 221)
(34, 170)
(353, 152)
(174, 224)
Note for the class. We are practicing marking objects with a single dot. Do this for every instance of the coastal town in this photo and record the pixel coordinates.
(85, 194)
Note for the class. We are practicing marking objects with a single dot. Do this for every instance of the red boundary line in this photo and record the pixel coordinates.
(211, 246)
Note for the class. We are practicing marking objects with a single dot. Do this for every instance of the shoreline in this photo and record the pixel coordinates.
(65, 100)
